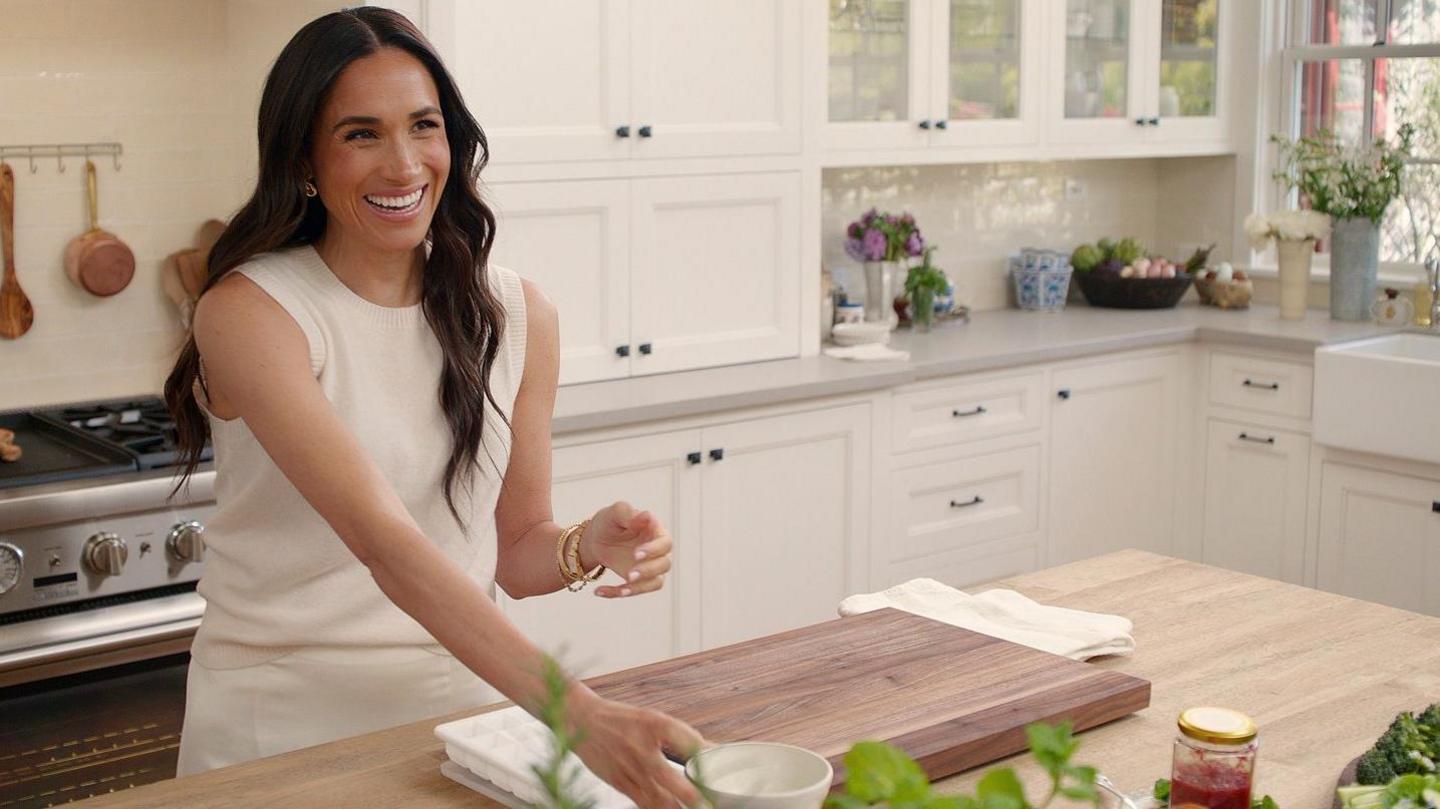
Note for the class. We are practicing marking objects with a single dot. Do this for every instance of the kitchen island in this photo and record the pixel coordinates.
(1322, 674)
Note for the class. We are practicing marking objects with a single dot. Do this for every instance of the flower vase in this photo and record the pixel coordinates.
(922, 309)
(1295, 256)
(878, 275)
(1354, 260)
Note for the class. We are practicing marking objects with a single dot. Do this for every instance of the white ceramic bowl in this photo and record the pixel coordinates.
(763, 775)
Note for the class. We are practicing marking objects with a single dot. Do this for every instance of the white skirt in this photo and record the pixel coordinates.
(317, 695)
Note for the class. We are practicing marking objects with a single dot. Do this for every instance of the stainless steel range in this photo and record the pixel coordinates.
(97, 604)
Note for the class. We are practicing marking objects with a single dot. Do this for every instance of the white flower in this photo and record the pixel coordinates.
(1286, 225)
(1257, 227)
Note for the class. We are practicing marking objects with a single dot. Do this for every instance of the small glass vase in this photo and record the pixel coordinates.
(922, 309)
(878, 295)
(1294, 256)
(1354, 263)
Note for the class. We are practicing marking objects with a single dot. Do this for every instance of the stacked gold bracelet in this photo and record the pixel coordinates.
(567, 559)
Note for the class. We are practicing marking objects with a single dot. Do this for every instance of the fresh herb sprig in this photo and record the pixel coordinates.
(559, 773)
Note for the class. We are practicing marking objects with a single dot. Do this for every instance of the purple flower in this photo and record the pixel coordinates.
(915, 245)
(854, 249)
(869, 217)
(855, 231)
(907, 220)
(874, 245)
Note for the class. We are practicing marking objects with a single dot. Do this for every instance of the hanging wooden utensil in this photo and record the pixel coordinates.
(97, 260)
(16, 313)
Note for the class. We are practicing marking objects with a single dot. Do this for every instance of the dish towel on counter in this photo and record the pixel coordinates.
(866, 352)
(1007, 615)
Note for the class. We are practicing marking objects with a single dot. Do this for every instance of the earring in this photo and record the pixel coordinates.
(310, 189)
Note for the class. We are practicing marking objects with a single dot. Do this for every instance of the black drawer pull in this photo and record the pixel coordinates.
(942, 124)
(960, 414)
(1063, 393)
(646, 131)
(1435, 506)
(717, 453)
(693, 458)
(974, 501)
(1140, 122)
(1250, 383)
(1255, 439)
(925, 124)
(622, 131)
(1154, 122)
(622, 351)
(644, 348)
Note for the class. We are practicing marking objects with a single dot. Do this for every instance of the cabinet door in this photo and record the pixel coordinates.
(786, 510)
(1114, 429)
(878, 74)
(1256, 481)
(595, 635)
(715, 78)
(715, 269)
(986, 66)
(1189, 79)
(1380, 537)
(570, 238)
(1100, 82)
(547, 79)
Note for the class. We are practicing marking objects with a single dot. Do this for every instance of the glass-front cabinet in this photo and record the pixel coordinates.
(917, 73)
(1135, 71)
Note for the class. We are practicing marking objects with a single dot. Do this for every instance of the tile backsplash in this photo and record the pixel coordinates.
(979, 214)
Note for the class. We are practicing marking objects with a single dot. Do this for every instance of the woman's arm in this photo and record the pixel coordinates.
(524, 520)
(257, 361)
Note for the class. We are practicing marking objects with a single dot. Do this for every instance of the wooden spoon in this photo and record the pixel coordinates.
(96, 259)
(16, 313)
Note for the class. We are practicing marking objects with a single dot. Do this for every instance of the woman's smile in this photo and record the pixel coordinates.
(397, 207)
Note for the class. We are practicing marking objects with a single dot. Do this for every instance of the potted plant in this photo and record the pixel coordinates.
(1295, 234)
(1353, 184)
(882, 242)
(922, 285)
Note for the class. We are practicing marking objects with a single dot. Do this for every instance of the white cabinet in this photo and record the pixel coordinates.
(592, 635)
(1138, 73)
(614, 79)
(660, 274)
(1114, 433)
(1255, 500)
(1379, 537)
(785, 505)
(918, 73)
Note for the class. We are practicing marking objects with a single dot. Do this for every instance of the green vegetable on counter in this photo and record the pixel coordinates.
(1411, 745)
(1128, 250)
(1086, 257)
(1404, 792)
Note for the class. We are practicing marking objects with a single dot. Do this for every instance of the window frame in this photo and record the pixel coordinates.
(1290, 29)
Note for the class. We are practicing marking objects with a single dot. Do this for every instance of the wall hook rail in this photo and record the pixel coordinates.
(32, 151)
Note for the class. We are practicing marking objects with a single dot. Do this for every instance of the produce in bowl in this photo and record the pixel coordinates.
(1121, 275)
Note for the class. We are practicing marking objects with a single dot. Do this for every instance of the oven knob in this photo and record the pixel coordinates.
(105, 554)
(186, 541)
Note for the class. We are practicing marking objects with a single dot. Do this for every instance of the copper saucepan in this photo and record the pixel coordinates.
(97, 260)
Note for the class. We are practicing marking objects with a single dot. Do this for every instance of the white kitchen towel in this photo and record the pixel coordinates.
(1007, 615)
(866, 352)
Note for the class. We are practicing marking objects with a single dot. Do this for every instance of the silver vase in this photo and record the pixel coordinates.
(1354, 261)
(879, 277)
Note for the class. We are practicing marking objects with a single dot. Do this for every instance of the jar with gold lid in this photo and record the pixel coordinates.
(1214, 761)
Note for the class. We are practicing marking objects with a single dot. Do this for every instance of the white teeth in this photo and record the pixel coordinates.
(397, 203)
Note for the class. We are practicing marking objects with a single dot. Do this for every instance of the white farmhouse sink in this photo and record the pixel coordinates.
(1380, 395)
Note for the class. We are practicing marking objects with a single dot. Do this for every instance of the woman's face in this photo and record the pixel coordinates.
(380, 156)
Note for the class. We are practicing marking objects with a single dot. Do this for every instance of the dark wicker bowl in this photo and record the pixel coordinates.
(1107, 290)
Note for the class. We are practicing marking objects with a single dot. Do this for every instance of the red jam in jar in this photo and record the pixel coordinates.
(1214, 761)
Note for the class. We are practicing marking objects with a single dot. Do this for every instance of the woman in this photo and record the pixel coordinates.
(380, 400)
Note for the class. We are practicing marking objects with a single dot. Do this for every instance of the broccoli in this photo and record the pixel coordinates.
(1374, 769)
(1410, 746)
(1128, 250)
(1431, 718)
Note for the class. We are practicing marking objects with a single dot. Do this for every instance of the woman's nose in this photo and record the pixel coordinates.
(403, 160)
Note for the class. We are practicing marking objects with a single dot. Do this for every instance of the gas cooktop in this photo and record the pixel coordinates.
(90, 439)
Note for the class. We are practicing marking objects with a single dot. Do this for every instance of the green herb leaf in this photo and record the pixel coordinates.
(877, 771)
(842, 801)
(1000, 788)
(1162, 790)
(1052, 746)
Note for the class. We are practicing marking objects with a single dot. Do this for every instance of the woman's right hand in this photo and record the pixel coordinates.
(624, 746)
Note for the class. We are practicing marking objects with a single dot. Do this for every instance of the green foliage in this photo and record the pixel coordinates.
(558, 775)
(1410, 745)
(926, 277)
(1344, 180)
(878, 773)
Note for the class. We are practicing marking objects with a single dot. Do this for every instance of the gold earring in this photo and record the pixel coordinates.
(310, 189)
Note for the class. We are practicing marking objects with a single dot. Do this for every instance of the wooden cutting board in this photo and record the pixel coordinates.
(951, 698)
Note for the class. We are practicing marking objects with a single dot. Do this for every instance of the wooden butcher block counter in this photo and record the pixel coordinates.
(1322, 675)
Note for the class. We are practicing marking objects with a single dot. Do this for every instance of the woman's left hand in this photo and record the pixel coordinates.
(633, 544)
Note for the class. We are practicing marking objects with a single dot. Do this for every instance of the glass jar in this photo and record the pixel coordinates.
(1214, 762)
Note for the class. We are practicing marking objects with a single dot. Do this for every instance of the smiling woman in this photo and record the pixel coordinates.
(354, 354)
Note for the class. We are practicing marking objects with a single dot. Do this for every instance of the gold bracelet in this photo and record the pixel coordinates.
(575, 568)
(565, 577)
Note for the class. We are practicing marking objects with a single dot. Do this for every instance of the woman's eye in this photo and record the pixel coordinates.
(426, 123)
(353, 135)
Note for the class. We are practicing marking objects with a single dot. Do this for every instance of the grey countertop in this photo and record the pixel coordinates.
(999, 339)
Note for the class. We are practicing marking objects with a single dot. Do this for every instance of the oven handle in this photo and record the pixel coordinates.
(89, 647)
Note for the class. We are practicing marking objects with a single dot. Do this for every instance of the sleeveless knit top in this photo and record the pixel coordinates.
(277, 577)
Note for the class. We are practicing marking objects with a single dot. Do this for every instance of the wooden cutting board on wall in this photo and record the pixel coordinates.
(951, 698)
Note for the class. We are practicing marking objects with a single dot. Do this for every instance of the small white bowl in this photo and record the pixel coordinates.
(763, 775)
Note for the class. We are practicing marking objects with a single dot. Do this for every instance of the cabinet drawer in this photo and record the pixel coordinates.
(956, 504)
(971, 410)
(1262, 385)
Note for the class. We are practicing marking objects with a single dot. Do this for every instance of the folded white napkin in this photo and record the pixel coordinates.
(1007, 615)
(866, 352)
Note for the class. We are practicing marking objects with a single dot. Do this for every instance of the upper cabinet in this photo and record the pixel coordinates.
(556, 80)
(1134, 73)
(918, 73)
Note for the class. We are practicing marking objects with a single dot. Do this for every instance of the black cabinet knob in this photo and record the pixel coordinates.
(942, 124)
(1139, 121)
(622, 351)
(925, 124)
(1435, 506)
(645, 131)
(622, 131)
(1154, 121)
(693, 458)
(717, 453)
(1063, 393)
(644, 348)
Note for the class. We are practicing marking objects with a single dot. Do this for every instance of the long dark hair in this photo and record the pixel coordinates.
(458, 304)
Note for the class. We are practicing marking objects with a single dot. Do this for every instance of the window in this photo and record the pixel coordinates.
(1360, 69)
